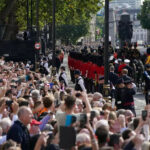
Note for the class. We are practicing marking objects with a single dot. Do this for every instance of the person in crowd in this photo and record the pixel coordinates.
(19, 131)
(124, 75)
(129, 99)
(100, 84)
(146, 76)
(120, 93)
(128, 67)
(63, 77)
(34, 113)
(113, 77)
(79, 86)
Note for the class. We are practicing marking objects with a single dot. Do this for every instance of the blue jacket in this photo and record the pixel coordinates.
(20, 134)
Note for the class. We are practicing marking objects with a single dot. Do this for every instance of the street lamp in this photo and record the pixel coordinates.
(53, 40)
(106, 63)
(37, 20)
(31, 15)
(27, 7)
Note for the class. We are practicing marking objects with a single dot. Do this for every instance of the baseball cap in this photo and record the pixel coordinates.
(35, 122)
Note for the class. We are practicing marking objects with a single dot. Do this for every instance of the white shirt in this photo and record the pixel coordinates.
(46, 66)
(3, 139)
(81, 83)
(64, 76)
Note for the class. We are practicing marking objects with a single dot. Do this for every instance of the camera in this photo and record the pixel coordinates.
(70, 119)
(102, 113)
(9, 102)
(50, 135)
(92, 115)
(144, 114)
(83, 120)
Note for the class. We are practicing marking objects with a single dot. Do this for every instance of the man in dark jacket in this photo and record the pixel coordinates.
(113, 77)
(19, 132)
(129, 99)
(120, 94)
(146, 77)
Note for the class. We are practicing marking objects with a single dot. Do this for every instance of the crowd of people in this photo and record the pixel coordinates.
(39, 111)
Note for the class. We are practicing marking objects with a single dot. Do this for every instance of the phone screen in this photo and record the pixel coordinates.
(144, 114)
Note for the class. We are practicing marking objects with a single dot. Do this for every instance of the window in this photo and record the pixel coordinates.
(137, 37)
(141, 37)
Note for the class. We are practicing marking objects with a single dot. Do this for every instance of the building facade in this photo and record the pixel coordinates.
(134, 4)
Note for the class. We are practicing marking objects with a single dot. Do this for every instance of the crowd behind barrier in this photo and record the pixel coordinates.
(39, 111)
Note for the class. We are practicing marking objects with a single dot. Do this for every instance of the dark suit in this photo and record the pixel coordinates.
(125, 77)
(113, 77)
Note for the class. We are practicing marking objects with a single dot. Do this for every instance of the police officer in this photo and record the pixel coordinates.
(79, 84)
(146, 76)
(63, 77)
(129, 99)
(120, 94)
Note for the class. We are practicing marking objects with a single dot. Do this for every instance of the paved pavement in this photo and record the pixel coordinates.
(139, 97)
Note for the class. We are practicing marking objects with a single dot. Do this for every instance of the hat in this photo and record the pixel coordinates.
(101, 78)
(127, 61)
(119, 81)
(35, 122)
(77, 72)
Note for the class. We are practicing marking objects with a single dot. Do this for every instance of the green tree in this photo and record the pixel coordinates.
(71, 33)
(144, 15)
(68, 12)
(100, 25)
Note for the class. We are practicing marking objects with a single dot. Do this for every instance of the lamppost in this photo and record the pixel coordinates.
(37, 34)
(106, 50)
(53, 40)
(27, 9)
(37, 20)
(31, 15)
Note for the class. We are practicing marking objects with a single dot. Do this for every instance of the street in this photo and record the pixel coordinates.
(139, 97)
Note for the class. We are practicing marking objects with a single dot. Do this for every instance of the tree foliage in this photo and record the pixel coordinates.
(71, 33)
(68, 12)
(100, 25)
(144, 15)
